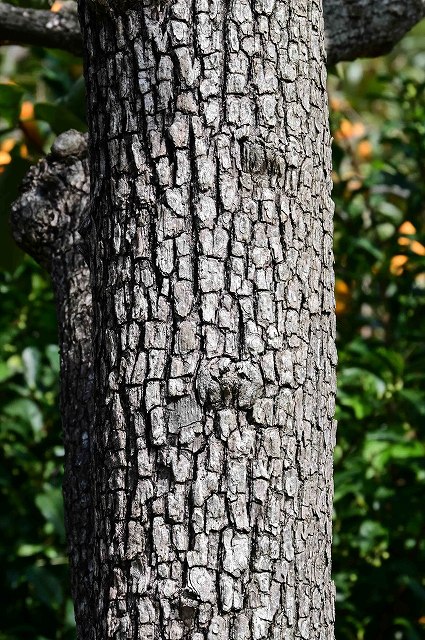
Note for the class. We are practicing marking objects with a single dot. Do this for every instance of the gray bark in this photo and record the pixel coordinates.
(209, 237)
(354, 28)
(41, 28)
(364, 28)
(45, 221)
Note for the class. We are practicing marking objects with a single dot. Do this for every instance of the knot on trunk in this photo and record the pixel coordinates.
(54, 192)
(222, 383)
(69, 143)
(261, 157)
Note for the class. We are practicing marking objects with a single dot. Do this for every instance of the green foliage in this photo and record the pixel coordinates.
(34, 574)
(58, 117)
(10, 103)
(41, 94)
(379, 164)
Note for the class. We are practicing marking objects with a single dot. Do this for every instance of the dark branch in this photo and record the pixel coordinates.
(45, 222)
(367, 28)
(59, 30)
(354, 28)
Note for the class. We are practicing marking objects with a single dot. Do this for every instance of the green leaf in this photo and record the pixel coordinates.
(27, 411)
(52, 353)
(47, 587)
(369, 247)
(10, 181)
(415, 398)
(50, 504)
(391, 212)
(385, 230)
(366, 379)
(382, 453)
(75, 100)
(58, 117)
(31, 359)
(10, 103)
(27, 550)
(5, 372)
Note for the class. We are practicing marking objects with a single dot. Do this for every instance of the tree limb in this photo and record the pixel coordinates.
(59, 30)
(355, 28)
(363, 28)
(45, 222)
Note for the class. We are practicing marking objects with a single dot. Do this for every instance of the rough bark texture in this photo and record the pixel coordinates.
(210, 244)
(354, 28)
(364, 28)
(45, 220)
(41, 28)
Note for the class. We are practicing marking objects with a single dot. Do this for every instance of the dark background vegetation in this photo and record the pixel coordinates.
(378, 123)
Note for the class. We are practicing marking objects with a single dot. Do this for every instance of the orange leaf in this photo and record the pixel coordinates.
(341, 288)
(417, 248)
(348, 130)
(5, 157)
(364, 150)
(27, 111)
(354, 184)
(7, 144)
(336, 103)
(342, 296)
(397, 263)
(407, 228)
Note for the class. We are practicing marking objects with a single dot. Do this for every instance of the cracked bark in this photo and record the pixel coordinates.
(209, 237)
(45, 220)
(59, 30)
(354, 28)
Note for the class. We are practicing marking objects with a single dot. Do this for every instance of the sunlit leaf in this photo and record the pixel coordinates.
(31, 359)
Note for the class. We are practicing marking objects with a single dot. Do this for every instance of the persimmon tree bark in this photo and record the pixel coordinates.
(209, 242)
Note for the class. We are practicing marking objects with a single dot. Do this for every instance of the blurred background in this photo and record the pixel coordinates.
(378, 124)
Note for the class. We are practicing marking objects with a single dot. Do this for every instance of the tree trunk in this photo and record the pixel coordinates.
(45, 221)
(210, 245)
